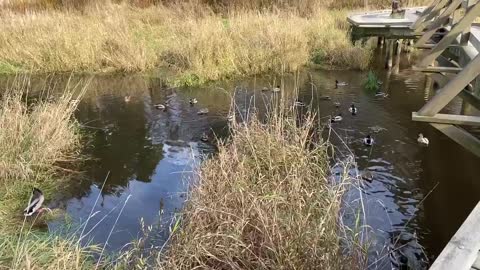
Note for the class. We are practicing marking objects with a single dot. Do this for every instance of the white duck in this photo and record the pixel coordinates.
(193, 101)
(422, 140)
(353, 109)
(368, 141)
(160, 106)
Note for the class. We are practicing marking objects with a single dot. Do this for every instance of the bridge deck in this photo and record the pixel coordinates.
(381, 19)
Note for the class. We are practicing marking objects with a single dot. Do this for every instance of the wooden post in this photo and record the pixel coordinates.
(452, 88)
(466, 33)
(424, 14)
(389, 54)
(448, 39)
(399, 46)
(429, 16)
(428, 87)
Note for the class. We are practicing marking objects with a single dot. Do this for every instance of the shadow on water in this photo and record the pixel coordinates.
(151, 155)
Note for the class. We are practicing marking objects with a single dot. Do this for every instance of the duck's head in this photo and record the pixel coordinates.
(420, 135)
(336, 81)
(369, 136)
(353, 106)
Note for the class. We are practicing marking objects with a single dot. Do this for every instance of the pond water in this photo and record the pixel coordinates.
(415, 203)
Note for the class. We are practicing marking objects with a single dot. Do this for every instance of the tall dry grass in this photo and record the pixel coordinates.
(191, 40)
(264, 202)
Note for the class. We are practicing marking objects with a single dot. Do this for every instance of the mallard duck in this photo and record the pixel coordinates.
(299, 103)
(35, 203)
(160, 106)
(202, 111)
(276, 89)
(381, 94)
(422, 140)
(368, 141)
(265, 89)
(337, 118)
(353, 109)
(193, 101)
(127, 98)
(325, 98)
(367, 176)
(337, 83)
(336, 104)
(204, 137)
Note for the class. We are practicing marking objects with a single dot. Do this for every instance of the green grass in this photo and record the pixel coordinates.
(371, 83)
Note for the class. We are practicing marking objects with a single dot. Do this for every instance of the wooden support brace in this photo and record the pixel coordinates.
(424, 14)
(452, 119)
(443, 18)
(452, 88)
(458, 28)
(471, 99)
(434, 13)
(438, 69)
(439, 22)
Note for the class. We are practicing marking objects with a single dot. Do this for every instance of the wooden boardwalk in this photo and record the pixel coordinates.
(452, 59)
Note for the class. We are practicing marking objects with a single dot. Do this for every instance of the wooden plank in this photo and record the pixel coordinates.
(452, 88)
(476, 264)
(448, 119)
(468, 97)
(438, 69)
(462, 250)
(456, 30)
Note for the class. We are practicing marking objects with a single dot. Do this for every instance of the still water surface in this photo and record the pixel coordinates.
(416, 201)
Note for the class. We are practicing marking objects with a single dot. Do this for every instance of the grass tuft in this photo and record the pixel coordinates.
(264, 202)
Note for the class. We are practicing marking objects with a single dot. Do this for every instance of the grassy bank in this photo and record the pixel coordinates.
(264, 202)
(192, 40)
(37, 141)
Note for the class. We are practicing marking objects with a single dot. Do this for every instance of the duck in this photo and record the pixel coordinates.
(381, 94)
(204, 137)
(276, 89)
(230, 118)
(367, 176)
(299, 103)
(127, 98)
(422, 140)
(325, 98)
(368, 141)
(337, 83)
(160, 106)
(202, 111)
(265, 89)
(337, 118)
(353, 109)
(193, 101)
(336, 104)
(35, 203)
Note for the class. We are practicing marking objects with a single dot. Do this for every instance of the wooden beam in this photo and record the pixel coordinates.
(439, 22)
(456, 30)
(436, 5)
(448, 119)
(438, 69)
(476, 264)
(462, 250)
(452, 88)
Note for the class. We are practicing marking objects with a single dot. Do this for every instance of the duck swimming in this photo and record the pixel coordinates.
(193, 101)
(336, 104)
(202, 111)
(337, 83)
(35, 203)
(299, 103)
(337, 118)
(368, 141)
(422, 140)
(160, 107)
(353, 109)
(381, 94)
(127, 98)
